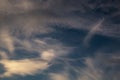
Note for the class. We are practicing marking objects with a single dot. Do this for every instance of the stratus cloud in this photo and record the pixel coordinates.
(15, 6)
(23, 67)
(50, 11)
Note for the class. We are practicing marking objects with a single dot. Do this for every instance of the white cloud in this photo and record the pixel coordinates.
(48, 55)
(23, 67)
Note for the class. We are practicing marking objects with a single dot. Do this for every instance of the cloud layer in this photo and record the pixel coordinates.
(46, 52)
(26, 26)
(37, 15)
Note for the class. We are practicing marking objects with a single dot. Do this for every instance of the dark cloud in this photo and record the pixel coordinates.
(76, 14)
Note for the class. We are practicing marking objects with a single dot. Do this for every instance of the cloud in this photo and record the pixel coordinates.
(15, 6)
(3, 55)
(96, 68)
(38, 15)
(48, 55)
(91, 71)
(28, 18)
(59, 76)
(92, 32)
(7, 40)
(23, 67)
(42, 44)
(46, 51)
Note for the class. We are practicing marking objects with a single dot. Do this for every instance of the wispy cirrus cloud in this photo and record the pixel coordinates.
(93, 68)
(45, 50)
(96, 68)
(92, 32)
(28, 18)
(91, 71)
(6, 40)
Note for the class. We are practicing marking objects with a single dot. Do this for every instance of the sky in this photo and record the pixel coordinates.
(59, 39)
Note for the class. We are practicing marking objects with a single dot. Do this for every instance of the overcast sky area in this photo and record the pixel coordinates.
(59, 39)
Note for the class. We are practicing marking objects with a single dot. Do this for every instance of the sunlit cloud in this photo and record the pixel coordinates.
(23, 67)
(59, 76)
(45, 50)
(48, 55)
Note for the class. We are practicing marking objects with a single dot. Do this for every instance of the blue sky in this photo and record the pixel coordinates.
(59, 40)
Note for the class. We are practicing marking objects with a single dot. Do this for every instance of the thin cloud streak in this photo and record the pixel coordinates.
(92, 32)
(7, 40)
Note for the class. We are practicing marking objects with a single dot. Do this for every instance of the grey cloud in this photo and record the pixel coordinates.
(38, 14)
(30, 17)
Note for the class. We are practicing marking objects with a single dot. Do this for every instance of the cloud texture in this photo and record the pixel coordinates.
(27, 28)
